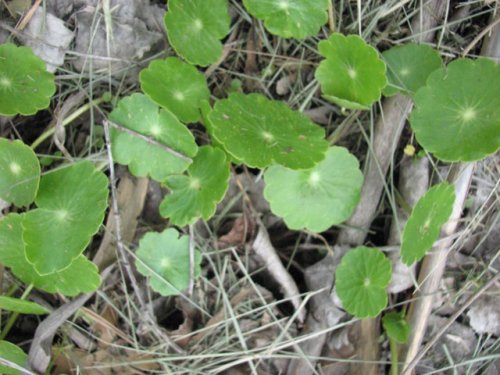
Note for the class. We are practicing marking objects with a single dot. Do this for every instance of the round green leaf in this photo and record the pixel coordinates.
(21, 306)
(315, 198)
(408, 67)
(80, 277)
(261, 132)
(197, 194)
(164, 258)
(25, 84)
(20, 173)
(13, 354)
(71, 203)
(290, 18)
(176, 86)
(396, 327)
(361, 280)
(138, 113)
(352, 75)
(195, 28)
(457, 113)
(425, 222)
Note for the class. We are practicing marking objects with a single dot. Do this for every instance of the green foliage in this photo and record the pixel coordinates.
(21, 306)
(352, 75)
(261, 132)
(425, 222)
(290, 18)
(80, 277)
(25, 84)
(408, 67)
(14, 354)
(195, 27)
(20, 173)
(361, 280)
(176, 86)
(197, 194)
(396, 327)
(138, 113)
(315, 198)
(58, 231)
(164, 258)
(457, 114)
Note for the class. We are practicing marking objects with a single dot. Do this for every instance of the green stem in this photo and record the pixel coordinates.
(70, 118)
(394, 357)
(14, 315)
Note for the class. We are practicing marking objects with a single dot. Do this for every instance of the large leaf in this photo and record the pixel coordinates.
(425, 222)
(315, 198)
(21, 306)
(261, 132)
(408, 67)
(352, 75)
(25, 84)
(71, 203)
(457, 113)
(197, 194)
(13, 354)
(290, 18)
(164, 258)
(138, 113)
(176, 86)
(361, 280)
(19, 171)
(195, 27)
(80, 277)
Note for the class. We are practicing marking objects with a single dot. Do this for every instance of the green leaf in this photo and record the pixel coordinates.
(290, 18)
(20, 173)
(195, 28)
(352, 75)
(197, 194)
(425, 222)
(21, 306)
(361, 280)
(164, 258)
(408, 67)
(71, 203)
(176, 86)
(25, 84)
(457, 113)
(316, 198)
(80, 277)
(396, 327)
(138, 113)
(13, 354)
(261, 132)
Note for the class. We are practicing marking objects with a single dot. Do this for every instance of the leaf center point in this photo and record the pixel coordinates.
(195, 184)
(268, 137)
(283, 4)
(198, 24)
(179, 96)
(367, 282)
(14, 168)
(314, 178)
(5, 82)
(352, 72)
(468, 114)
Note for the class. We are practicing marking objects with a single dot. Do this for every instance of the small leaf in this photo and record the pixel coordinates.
(71, 203)
(352, 75)
(25, 84)
(290, 18)
(138, 113)
(457, 113)
(396, 327)
(80, 277)
(197, 194)
(21, 306)
(20, 173)
(176, 86)
(425, 222)
(195, 28)
(361, 280)
(316, 198)
(408, 67)
(164, 258)
(13, 354)
(261, 132)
